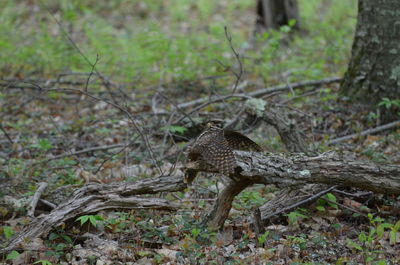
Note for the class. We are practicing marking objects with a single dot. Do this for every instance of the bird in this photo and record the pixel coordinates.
(215, 147)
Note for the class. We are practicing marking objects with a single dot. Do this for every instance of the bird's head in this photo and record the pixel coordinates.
(212, 126)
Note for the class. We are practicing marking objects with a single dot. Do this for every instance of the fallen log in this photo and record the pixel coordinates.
(293, 171)
(290, 171)
(96, 197)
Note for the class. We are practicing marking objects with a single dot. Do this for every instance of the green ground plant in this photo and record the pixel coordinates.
(370, 244)
(152, 44)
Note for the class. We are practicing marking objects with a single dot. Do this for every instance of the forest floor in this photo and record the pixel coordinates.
(68, 118)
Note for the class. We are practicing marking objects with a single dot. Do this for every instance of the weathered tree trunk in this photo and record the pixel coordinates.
(272, 14)
(374, 68)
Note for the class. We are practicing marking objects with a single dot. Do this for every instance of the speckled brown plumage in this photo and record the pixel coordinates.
(215, 146)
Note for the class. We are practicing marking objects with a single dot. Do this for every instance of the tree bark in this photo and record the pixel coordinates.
(216, 218)
(328, 168)
(272, 14)
(292, 171)
(374, 69)
(96, 197)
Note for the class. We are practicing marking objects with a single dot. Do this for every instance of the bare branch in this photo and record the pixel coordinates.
(308, 200)
(6, 134)
(36, 197)
(366, 132)
(237, 56)
(124, 110)
(91, 72)
(263, 91)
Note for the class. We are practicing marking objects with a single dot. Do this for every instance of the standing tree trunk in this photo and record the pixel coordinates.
(272, 14)
(374, 69)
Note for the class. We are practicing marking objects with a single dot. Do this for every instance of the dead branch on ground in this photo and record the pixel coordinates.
(262, 92)
(96, 197)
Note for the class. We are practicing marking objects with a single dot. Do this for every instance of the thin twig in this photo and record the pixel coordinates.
(108, 158)
(50, 204)
(185, 115)
(345, 206)
(105, 82)
(87, 150)
(366, 132)
(91, 72)
(237, 56)
(211, 101)
(356, 195)
(6, 134)
(300, 203)
(306, 94)
(124, 110)
(35, 198)
(264, 91)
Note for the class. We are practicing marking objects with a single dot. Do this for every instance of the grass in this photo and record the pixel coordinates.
(148, 41)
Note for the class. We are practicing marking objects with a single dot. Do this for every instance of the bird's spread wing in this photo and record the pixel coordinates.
(214, 150)
(238, 141)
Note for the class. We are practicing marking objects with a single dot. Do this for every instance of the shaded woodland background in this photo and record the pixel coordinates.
(105, 92)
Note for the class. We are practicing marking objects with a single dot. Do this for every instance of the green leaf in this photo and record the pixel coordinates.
(393, 237)
(93, 220)
(12, 255)
(396, 227)
(352, 244)
(43, 144)
(60, 247)
(320, 208)
(362, 237)
(292, 22)
(369, 259)
(380, 229)
(54, 95)
(331, 197)
(371, 234)
(67, 238)
(83, 219)
(174, 129)
(195, 232)
(263, 237)
(53, 236)
(370, 217)
(8, 231)
(381, 262)
(285, 29)
(43, 262)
